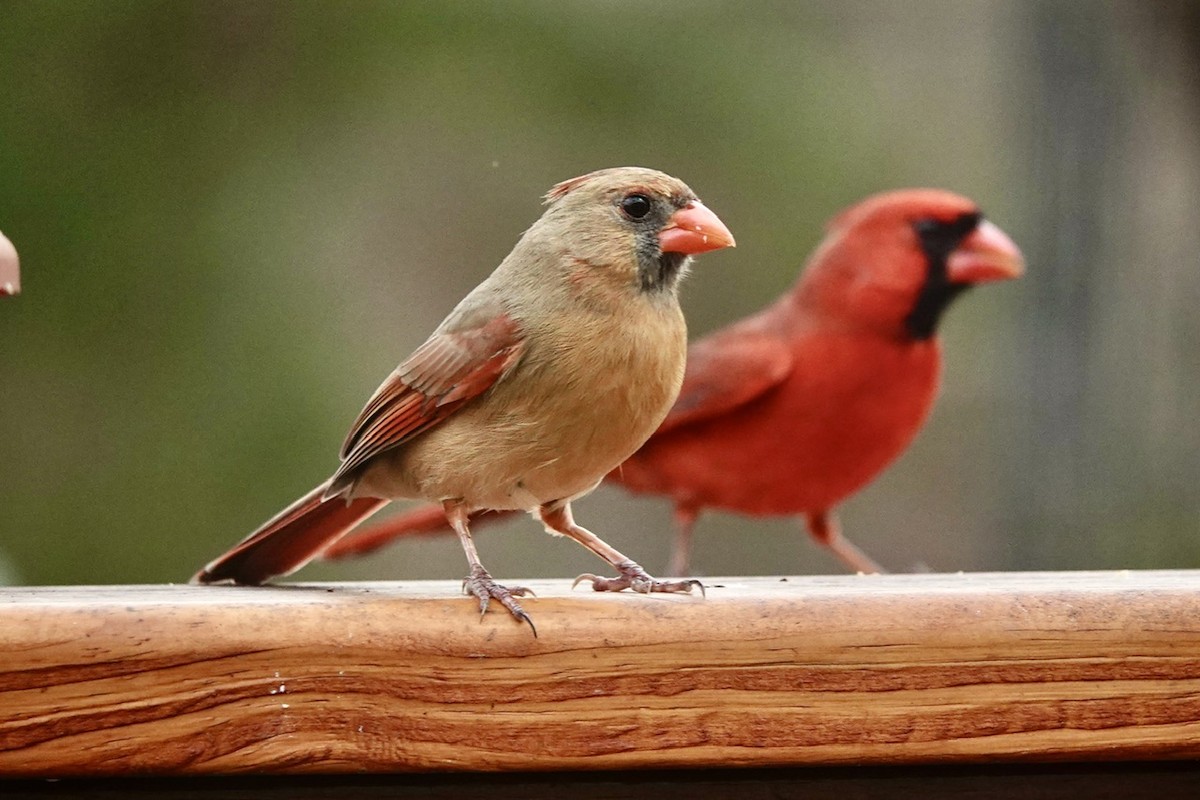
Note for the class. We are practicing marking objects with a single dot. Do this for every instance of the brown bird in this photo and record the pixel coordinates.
(547, 375)
(792, 410)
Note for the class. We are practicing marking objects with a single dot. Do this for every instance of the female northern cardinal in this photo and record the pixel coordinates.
(554, 369)
(792, 410)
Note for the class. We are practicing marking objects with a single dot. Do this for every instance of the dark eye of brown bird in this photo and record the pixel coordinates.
(636, 206)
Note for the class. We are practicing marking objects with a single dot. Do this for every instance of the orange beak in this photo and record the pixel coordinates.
(986, 255)
(10, 272)
(694, 229)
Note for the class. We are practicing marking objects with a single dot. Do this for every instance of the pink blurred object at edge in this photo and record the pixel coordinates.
(10, 270)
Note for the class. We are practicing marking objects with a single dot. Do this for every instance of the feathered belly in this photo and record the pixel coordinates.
(549, 431)
(802, 448)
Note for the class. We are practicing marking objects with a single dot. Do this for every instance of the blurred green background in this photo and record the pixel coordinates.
(236, 217)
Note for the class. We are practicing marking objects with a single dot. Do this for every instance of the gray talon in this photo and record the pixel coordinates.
(636, 579)
(484, 587)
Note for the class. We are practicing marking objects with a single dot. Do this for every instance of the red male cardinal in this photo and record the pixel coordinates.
(792, 410)
(545, 377)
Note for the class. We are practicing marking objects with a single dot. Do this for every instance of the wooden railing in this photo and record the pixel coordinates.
(764, 672)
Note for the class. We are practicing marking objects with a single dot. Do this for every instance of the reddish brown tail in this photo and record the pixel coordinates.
(426, 520)
(290, 539)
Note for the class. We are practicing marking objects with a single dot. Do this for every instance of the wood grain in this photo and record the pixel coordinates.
(876, 670)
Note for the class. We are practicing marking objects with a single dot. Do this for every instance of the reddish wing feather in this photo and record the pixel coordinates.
(453, 366)
(290, 539)
(725, 371)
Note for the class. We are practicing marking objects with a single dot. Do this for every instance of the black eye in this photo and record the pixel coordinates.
(927, 227)
(636, 206)
(945, 235)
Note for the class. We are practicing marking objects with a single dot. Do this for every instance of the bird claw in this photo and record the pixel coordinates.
(484, 587)
(636, 579)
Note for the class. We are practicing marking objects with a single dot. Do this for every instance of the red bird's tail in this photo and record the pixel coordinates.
(424, 520)
(290, 539)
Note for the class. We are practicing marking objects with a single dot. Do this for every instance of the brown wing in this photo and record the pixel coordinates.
(726, 371)
(455, 364)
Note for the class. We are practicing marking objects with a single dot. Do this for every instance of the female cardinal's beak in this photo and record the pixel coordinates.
(986, 255)
(694, 229)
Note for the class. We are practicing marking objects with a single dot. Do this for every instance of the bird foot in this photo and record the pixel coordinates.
(484, 587)
(637, 579)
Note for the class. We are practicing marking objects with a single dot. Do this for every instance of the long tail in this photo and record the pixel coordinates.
(425, 520)
(290, 539)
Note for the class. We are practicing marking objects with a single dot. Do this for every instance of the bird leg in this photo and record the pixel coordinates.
(558, 519)
(681, 555)
(823, 526)
(480, 583)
